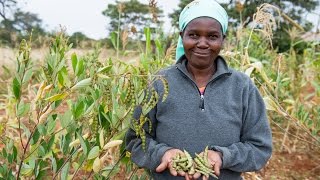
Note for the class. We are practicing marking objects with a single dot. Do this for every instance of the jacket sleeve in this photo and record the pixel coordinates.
(151, 157)
(255, 146)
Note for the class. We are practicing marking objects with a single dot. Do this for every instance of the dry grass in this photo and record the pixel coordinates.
(8, 56)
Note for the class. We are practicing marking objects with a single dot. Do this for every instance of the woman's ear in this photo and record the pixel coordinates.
(181, 34)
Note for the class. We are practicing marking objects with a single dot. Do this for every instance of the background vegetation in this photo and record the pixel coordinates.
(63, 115)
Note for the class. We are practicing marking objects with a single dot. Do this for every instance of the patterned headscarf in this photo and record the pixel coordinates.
(200, 8)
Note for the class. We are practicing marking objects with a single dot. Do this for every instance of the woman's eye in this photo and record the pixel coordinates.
(193, 35)
(213, 36)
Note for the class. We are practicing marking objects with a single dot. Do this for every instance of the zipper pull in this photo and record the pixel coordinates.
(201, 102)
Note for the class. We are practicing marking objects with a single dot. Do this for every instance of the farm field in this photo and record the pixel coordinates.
(64, 111)
(296, 154)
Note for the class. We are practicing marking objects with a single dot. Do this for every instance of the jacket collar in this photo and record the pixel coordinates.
(222, 67)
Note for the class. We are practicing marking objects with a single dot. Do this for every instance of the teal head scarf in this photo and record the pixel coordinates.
(200, 8)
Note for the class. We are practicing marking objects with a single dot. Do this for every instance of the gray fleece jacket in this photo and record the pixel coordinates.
(230, 117)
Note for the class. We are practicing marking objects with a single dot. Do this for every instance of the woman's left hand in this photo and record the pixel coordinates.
(215, 160)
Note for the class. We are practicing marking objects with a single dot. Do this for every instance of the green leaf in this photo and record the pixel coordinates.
(10, 145)
(15, 153)
(74, 61)
(41, 175)
(42, 129)
(26, 170)
(65, 119)
(80, 67)
(10, 158)
(60, 78)
(27, 75)
(4, 153)
(51, 125)
(23, 109)
(66, 140)
(83, 144)
(54, 163)
(35, 137)
(49, 144)
(79, 110)
(81, 84)
(41, 151)
(94, 152)
(113, 37)
(65, 171)
(147, 34)
(57, 97)
(104, 69)
(120, 135)
(159, 45)
(16, 88)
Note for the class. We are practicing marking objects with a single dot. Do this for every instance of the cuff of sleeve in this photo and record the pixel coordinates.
(160, 154)
(226, 155)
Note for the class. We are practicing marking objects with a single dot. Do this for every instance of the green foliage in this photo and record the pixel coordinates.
(71, 116)
(80, 40)
(68, 116)
(17, 25)
(175, 14)
(287, 81)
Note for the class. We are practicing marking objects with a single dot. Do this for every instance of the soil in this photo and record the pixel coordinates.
(291, 166)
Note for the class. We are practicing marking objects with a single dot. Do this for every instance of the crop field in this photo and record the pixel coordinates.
(64, 112)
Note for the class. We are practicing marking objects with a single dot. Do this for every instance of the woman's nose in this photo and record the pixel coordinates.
(202, 43)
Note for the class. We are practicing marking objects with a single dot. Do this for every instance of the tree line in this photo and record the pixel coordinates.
(132, 16)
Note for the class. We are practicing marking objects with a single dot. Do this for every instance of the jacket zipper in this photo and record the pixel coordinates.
(201, 105)
(202, 102)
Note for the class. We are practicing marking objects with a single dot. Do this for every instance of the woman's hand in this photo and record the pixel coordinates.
(215, 160)
(166, 162)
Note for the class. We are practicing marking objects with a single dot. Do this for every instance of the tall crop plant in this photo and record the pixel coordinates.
(67, 117)
(288, 81)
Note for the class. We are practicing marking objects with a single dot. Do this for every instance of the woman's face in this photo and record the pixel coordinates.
(202, 40)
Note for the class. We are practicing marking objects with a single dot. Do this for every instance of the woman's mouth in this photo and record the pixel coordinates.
(201, 54)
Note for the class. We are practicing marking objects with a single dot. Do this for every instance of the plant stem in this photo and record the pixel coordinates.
(121, 156)
(133, 173)
(24, 153)
(118, 34)
(64, 163)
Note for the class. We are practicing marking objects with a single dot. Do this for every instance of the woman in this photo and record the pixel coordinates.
(209, 104)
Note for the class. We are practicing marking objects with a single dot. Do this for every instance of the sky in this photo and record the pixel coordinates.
(86, 15)
(82, 15)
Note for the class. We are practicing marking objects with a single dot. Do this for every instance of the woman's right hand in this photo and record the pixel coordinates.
(166, 162)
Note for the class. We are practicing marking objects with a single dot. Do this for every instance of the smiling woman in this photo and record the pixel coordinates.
(209, 105)
(202, 42)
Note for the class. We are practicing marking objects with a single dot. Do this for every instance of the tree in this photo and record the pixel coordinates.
(132, 15)
(175, 15)
(5, 7)
(25, 22)
(242, 12)
(77, 38)
(17, 24)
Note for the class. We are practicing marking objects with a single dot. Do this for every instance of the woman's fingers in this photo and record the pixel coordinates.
(196, 175)
(173, 172)
(217, 168)
(162, 166)
(181, 173)
(205, 177)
